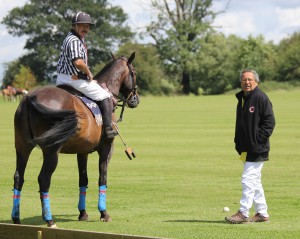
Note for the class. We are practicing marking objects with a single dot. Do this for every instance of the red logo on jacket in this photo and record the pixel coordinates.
(251, 109)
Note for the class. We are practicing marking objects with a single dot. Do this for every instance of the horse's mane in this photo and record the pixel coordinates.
(105, 68)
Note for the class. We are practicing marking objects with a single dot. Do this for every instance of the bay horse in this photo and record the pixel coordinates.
(6, 94)
(58, 122)
(9, 93)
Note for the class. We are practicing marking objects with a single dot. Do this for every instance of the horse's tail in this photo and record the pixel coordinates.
(63, 124)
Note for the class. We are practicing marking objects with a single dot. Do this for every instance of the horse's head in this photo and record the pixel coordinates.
(120, 77)
(129, 88)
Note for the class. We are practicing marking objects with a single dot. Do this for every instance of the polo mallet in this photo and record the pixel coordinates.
(128, 150)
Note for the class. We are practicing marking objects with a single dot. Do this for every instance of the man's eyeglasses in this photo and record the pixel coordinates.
(244, 80)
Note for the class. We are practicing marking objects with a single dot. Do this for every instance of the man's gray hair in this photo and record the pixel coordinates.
(256, 76)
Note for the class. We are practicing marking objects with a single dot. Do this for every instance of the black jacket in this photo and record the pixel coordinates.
(254, 125)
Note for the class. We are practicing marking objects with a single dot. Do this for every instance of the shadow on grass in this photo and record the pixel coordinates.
(38, 221)
(199, 221)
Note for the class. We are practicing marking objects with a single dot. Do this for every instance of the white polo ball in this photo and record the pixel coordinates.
(226, 209)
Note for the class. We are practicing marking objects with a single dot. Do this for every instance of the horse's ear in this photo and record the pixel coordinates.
(130, 59)
(113, 55)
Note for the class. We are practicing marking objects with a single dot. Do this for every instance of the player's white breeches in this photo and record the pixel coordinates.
(89, 88)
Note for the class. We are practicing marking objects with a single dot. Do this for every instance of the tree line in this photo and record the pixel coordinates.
(187, 54)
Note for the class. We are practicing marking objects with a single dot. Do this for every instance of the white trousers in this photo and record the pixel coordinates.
(90, 88)
(252, 190)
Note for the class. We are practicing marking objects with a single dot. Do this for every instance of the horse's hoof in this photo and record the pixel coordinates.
(83, 216)
(105, 217)
(51, 224)
(17, 221)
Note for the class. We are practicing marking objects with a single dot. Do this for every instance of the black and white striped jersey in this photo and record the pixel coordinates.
(72, 48)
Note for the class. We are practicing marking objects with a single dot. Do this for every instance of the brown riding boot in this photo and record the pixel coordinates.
(106, 111)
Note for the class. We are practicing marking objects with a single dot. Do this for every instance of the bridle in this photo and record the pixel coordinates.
(132, 97)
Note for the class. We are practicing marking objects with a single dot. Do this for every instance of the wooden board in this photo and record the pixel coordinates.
(11, 231)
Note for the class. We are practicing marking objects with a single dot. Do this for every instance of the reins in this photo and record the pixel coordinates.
(123, 106)
(122, 101)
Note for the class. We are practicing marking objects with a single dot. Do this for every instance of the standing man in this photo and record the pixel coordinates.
(254, 125)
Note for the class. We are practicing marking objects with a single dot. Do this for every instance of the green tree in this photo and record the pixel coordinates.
(216, 68)
(255, 53)
(178, 31)
(10, 70)
(288, 64)
(47, 22)
(24, 79)
(222, 58)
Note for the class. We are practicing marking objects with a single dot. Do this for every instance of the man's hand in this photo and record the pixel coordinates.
(80, 65)
(90, 76)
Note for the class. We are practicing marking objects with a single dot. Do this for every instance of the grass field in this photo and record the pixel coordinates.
(185, 172)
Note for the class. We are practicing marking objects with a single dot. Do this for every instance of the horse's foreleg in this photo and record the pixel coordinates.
(83, 183)
(44, 178)
(22, 159)
(105, 153)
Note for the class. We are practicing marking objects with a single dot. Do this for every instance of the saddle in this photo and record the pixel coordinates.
(88, 102)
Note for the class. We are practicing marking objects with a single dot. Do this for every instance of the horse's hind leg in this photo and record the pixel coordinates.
(22, 159)
(23, 146)
(83, 183)
(44, 178)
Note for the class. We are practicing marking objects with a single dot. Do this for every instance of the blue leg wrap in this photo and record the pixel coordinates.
(16, 204)
(82, 196)
(46, 211)
(102, 198)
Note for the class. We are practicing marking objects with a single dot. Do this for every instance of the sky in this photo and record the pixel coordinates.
(274, 19)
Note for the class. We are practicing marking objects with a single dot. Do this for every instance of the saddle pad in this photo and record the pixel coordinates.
(93, 107)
